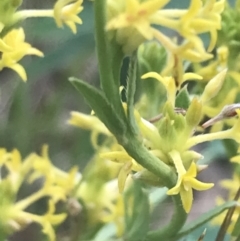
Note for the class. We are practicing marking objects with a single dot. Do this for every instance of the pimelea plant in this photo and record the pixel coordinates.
(149, 137)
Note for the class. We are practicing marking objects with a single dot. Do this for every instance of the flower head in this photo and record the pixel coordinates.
(186, 181)
(17, 49)
(137, 15)
(132, 21)
(13, 214)
(89, 122)
(64, 12)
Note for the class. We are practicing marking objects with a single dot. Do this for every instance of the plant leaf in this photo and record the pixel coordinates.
(182, 99)
(188, 228)
(131, 88)
(136, 213)
(103, 109)
(236, 230)
(110, 58)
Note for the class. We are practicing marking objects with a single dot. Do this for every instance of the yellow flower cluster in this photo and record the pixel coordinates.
(131, 23)
(57, 186)
(64, 12)
(130, 16)
(168, 146)
(13, 46)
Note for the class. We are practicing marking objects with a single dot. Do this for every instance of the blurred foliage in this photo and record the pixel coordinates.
(35, 113)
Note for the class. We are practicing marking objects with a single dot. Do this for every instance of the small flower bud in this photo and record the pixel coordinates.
(213, 86)
(7, 10)
(194, 113)
(190, 156)
(152, 57)
(167, 132)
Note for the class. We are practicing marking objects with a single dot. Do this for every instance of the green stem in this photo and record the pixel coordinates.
(130, 141)
(208, 137)
(172, 228)
(105, 58)
(137, 151)
(131, 88)
(117, 58)
(32, 13)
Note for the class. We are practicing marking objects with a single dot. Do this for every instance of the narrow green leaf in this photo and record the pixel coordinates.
(137, 210)
(236, 230)
(131, 88)
(109, 58)
(202, 235)
(227, 220)
(103, 50)
(182, 99)
(101, 106)
(204, 219)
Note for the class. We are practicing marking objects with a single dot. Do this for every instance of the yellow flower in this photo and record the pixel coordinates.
(50, 219)
(64, 12)
(47, 221)
(132, 21)
(170, 84)
(213, 86)
(116, 214)
(215, 66)
(195, 20)
(186, 181)
(17, 169)
(57, 185)
(206, 19)
(4, 47)
(89, 122)
(130, 17)
(236, 159)
(18, 49)
(186, 51)
(137, 15)
(129, 164)
(172, 134)
(65, 182)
